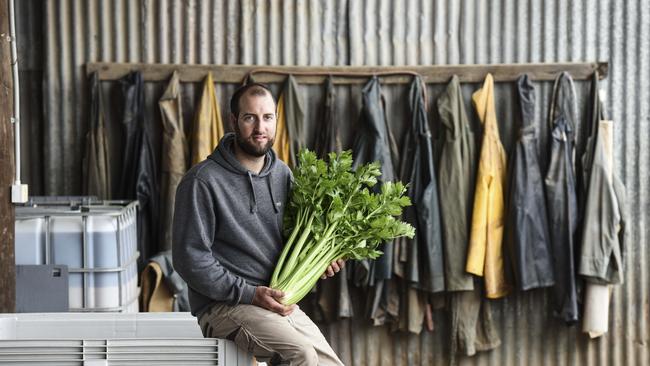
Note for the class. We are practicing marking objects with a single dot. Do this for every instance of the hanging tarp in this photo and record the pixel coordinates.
(175, 155)
(208, 127)
(456, 181)
(561, 200)
(485, 254)
(527, 232)
(96, 166)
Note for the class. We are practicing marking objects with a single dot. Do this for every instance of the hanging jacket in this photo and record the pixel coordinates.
(527, 234)
(602, 259)
(140, 177)
(175, 155)
(456, 182)
(604, 212)
(294, 119)
(208, 127)
(373, 143)
(412, 309)
(132, 135)
(603, 239)
(472, 327)
(96, 166)
(561, 201)
(282, 142)
(421, 271)
(425, 268)
(333, 294)
(289, 129)
(485, 257)
(326, 135)
(587, 143)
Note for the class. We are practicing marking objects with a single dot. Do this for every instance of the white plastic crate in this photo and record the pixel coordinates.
(92, 339)
(98, 243)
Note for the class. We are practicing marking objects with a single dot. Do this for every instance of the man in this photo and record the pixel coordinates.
(227, 238)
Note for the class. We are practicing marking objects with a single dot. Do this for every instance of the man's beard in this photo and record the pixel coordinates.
(250, 148)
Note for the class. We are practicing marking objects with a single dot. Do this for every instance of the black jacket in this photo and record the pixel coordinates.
(561, 198)
(373, 142)
(333, 295)
(96, 166)
(527, 233)
(425, 268)
(139, 175)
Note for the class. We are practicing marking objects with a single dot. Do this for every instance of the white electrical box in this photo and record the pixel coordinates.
(19, 193)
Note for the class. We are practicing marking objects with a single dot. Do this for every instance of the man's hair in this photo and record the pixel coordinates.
(256, 89)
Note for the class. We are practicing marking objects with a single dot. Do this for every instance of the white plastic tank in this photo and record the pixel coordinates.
(66, 236)
(30, 241)
(98, 244)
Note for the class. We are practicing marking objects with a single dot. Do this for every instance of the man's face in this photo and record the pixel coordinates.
(255, 125)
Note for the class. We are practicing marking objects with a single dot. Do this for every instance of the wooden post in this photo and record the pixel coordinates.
(7, 169)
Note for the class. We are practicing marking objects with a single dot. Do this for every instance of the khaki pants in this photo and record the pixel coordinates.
(269, 336)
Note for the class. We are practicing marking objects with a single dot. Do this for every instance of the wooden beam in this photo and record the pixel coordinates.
(7, 256)
(348, 74)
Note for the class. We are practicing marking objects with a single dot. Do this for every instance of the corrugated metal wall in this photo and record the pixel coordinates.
(366, 32)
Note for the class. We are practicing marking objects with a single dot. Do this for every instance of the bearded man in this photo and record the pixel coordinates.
(227, 237)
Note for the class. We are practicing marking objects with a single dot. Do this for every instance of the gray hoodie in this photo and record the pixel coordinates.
(227, 230)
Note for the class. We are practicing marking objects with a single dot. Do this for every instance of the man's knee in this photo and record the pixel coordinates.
(303, 354)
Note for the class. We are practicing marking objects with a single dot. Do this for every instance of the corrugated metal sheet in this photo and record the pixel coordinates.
(367, 32)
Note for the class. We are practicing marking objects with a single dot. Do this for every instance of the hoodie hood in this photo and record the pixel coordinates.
(224, 155)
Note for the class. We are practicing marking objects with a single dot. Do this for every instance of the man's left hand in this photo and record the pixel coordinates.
(333, 268)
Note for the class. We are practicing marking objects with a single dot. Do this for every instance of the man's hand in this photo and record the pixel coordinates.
(268, 298)
(333, 268)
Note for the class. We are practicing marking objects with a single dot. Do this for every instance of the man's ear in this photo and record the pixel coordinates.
(233, 121)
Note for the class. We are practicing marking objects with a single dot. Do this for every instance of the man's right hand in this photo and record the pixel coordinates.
(269, 299)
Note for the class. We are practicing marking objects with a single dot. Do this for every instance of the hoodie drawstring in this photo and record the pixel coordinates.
(273, 203)
(253, 204)
(254, 200)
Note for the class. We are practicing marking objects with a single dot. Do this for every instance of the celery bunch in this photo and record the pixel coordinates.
(333, 214)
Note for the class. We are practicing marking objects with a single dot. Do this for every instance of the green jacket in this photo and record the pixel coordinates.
(456, 174)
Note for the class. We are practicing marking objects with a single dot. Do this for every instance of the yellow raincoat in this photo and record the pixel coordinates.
(485, 255)
(208, 126)
(281, 145)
